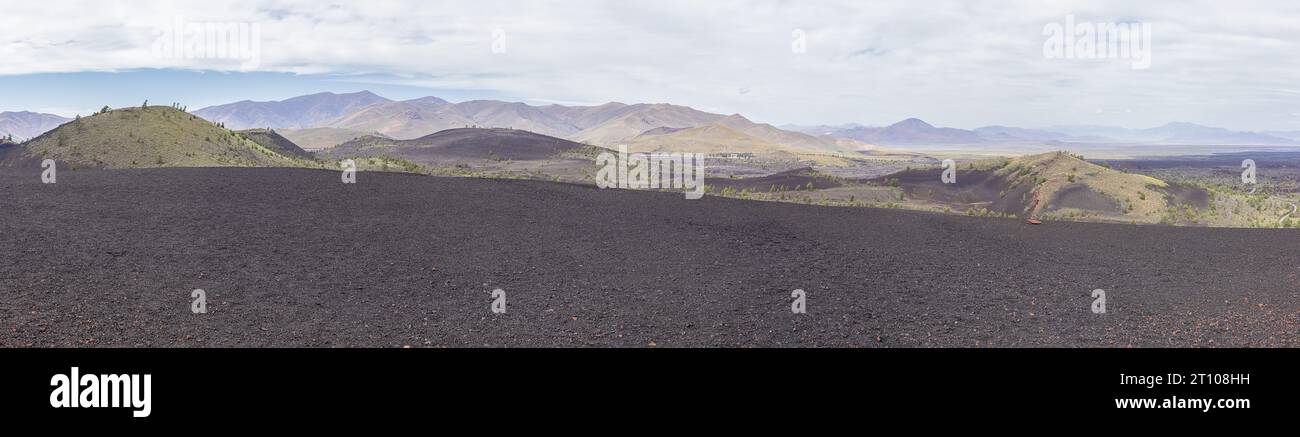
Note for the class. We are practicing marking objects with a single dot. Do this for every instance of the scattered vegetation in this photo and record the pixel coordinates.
(155, 136)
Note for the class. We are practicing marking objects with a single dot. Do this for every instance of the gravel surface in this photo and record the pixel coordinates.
(296, 258)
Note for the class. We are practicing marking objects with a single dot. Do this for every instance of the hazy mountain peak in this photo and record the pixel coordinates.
(365, 95)
(297, 112)
(913, 123)
(428, 100)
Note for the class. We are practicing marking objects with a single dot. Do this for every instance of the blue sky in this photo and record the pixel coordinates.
(959, 63)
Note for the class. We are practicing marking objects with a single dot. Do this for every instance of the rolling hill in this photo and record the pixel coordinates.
(711, 138)
(270, 139)
(457, 145)
(1055, 184)
(489, 113)
(157, 136)
(792, 141)
(622, 124)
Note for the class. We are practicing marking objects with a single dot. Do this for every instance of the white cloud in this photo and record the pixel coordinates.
(961, 63)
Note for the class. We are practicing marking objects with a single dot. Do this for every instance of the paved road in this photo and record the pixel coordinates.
(296, 258)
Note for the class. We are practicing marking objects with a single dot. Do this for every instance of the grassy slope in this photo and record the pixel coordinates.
(1051, 173)
(1145, 199)
(156, 136)
(1044, 178)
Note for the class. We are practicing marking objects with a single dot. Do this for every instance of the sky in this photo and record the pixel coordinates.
(962, 63)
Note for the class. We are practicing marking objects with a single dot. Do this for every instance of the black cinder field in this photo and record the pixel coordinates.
(293, 257)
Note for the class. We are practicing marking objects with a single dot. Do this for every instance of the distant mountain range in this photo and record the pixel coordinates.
(26, 125)
(296, 113)
(1175, 133)
(1290, 135)
(911, 131)
(323, 120)
(336, 118)
(916, 132)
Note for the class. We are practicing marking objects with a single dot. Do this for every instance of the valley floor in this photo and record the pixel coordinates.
(293, 257)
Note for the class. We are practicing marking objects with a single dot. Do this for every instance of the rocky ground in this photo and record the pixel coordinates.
(293, 257)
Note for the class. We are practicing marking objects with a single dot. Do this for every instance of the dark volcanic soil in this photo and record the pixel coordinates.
(786, 180)
(973, 187)
(1184, 194)
(296, 258)
(1081, 197)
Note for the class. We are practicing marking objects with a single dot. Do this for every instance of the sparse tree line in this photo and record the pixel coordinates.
(144, 106)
